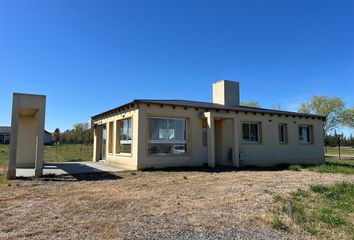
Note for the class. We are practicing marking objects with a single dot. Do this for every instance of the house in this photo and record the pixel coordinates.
(168, 133)
(5, 136)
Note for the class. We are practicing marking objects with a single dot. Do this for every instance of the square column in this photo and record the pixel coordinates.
(211, 139)
(236, 145)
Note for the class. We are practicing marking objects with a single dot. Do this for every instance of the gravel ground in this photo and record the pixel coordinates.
(152, 205)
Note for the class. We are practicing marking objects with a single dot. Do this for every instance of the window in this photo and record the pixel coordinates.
(124, 134)
(250, 132)
(305, 133)
(110, 137)
(167, 136)
(283, 135)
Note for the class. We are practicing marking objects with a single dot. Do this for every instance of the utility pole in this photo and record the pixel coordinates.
(339, 139)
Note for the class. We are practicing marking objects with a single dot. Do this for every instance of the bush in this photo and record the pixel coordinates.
(295, 167)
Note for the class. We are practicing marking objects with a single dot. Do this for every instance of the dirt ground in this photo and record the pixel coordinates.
(151, 205)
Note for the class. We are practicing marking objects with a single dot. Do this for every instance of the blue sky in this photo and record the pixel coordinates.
(90, 56)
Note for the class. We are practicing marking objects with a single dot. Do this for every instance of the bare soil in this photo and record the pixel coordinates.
(152, 205)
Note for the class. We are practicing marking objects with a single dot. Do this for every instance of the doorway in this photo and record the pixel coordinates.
(103, 142)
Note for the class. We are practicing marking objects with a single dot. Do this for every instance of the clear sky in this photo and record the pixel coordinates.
(90, 56)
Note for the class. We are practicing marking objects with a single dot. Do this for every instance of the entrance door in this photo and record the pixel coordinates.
(103, 142)
(205, 145)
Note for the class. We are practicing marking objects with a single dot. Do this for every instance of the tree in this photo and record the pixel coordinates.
(251, 104)
(56, 135)
(333, 108)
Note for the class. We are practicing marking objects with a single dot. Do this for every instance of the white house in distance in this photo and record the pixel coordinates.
(169, 133)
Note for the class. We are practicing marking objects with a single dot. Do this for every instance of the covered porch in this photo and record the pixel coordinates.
(223, 139)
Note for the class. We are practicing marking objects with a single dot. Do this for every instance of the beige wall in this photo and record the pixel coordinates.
(27, 133)
(228, 135)
(194, 156)
(126, 160)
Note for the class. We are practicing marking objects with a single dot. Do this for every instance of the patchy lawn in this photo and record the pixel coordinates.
(332, 165)
(155, 204)
(326, 211)
(52, 153)
(343, 151)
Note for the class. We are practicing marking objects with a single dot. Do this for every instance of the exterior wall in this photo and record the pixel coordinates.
(125, 160)
(270, 152)
(193, 157)
(225, 136)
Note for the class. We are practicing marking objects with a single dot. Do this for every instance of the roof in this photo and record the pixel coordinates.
(208, 106)
(5, 129)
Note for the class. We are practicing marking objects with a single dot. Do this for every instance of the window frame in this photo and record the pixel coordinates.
(119, 141)
(176, 142)
(285, 133)
(310, 134)
(258, 132)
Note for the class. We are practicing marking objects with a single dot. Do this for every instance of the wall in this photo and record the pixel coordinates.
(27, 132)
(126, 160)
(194, 156)
(271, 152)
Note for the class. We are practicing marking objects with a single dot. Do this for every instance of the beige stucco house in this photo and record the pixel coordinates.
(168, 133)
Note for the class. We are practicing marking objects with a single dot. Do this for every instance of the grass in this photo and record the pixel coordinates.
(52, 153)
(343, 150)
(278, 223)
(68, 153)
(332, 165)
(323, 210)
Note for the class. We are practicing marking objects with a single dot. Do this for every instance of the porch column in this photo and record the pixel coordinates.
(95, 143)
(211, 144)
(236, 146)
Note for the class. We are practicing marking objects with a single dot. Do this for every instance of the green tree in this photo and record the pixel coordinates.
(251, 104)
(333, 108)
(56, 135)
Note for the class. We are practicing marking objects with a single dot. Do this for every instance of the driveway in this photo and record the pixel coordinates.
(71, 168)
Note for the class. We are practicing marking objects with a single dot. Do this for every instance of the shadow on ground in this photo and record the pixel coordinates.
(218, 169)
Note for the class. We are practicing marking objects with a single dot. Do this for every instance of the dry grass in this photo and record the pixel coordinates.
(158, 204)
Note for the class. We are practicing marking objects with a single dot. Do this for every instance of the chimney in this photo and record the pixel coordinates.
(226, 92)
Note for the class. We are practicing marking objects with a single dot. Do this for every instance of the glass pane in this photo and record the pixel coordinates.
(308, 134)
(163, 148)
(246, 131)
(129, 128)
(177, 129)
(281, 134)
(254, 132)
(301, 137)
(157, 129)
(125, 148)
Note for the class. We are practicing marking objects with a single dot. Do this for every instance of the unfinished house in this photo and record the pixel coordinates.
(169, 133)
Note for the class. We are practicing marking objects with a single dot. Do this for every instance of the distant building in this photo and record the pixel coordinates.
(5, 136)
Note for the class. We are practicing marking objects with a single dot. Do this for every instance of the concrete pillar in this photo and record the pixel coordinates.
(211, 139)
(95, 149)
(236, 140)
(27, 133)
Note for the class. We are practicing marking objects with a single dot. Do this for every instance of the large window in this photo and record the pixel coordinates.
(250, 132)
(167, 136)
(305, 134)
(283, 135)
(124, 134)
